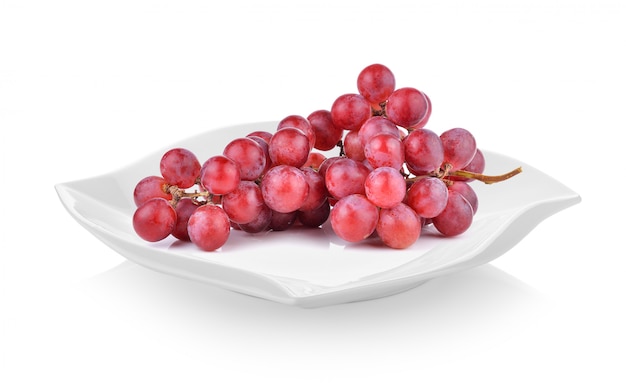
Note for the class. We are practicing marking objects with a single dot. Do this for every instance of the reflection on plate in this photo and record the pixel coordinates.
(313, 267)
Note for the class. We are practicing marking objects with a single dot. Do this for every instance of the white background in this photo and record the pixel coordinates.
(87, 87)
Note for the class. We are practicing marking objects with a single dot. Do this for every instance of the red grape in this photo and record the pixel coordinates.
(459, 147)
(350, 111)
(244, 203)
(317, 190)
(327, 134)
(346, 176)
(326, 163)
(249, 155)
(476, 165)
(180, 167)
(314, 160)
(154, 220)
(209, 227)
(377, 125)
(398, 227)
(282, 221)
(289, 146)
(376, 82)
(429, 110)
(385, 150)
(315, 217)
(259, 224)
(385, 187)
(284, 188)
(354, 218)
(423, 151)
(184, 209)
(220, 175)
(427, 196)
(456, 217)
(299, 122)
(467, 192)
(262, 134)
(406, 107)
(148, 188)
(266, 150)
(352, 146)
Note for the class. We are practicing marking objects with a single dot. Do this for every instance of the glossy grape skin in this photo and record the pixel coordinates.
(184, 209)
(456, 217)
(243, 204)
(429, 110)
(352, 146)
(385, 150)
(220, 175)
(150, 187)
(354, 218)
(326, 164)
(289, 146)
(376, 125)
(284, 188)
(423, 151)
(299, 122)
(385, 187)
(344, 177)
(476, 165)
(314, 160)
(260, 224)
(262, 134)
(154, 220)
(327, 134)
(315, 217)
(283, 221)
(350, 111)
(398, 227)
(265, 146)
(459, 147)
(249, 155)
(467, 192)
(376, 82)
(406, 107)
(209, 227)
(180, 167)
(427, 197)
(317, 194)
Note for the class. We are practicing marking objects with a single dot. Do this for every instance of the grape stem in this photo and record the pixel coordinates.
(445, 172)
(199, 198)
(485, 178)
(382, 111)
(342, 151)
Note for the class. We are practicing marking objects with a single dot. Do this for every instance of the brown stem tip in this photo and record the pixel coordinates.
(486, 178)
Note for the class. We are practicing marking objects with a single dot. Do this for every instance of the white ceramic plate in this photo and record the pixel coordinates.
(313, 267)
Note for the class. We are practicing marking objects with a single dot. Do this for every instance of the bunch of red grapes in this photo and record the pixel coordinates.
(391, 177)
